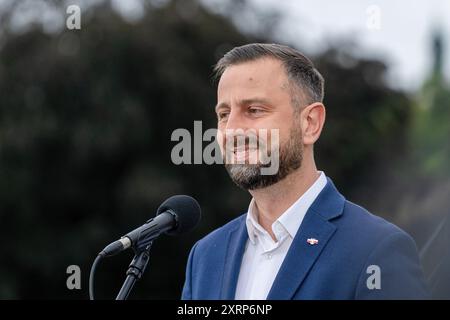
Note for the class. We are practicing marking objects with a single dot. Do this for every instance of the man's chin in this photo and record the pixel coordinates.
(249, 177)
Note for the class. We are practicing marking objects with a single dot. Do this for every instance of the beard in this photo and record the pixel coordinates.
(249, 176)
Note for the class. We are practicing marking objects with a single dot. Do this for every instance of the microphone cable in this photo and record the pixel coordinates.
(99, 257)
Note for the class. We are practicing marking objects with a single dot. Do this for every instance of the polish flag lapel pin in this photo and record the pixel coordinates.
(312, 241)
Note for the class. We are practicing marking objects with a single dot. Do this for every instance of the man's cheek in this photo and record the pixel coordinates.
(225, 145)
(220, 139)
(271, 155)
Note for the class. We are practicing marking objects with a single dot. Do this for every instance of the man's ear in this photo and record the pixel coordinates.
(312, 121)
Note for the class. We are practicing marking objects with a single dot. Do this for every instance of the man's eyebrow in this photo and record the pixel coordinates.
(254, 100)
(244, 102)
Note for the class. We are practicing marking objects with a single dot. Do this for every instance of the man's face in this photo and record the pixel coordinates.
(255, 107)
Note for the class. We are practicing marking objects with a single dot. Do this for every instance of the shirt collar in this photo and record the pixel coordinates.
(292, 218)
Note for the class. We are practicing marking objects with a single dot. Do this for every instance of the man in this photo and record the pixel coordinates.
(300, 239)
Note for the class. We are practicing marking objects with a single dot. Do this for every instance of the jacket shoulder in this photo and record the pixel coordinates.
(359, 218)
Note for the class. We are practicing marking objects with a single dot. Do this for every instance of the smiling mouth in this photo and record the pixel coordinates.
(242, 154)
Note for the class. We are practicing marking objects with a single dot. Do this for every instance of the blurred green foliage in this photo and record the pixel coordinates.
(431, 129)
(86, 118)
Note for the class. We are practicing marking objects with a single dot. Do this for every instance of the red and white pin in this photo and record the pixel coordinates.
(312, 241)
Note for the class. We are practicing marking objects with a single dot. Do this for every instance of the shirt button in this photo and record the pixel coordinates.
(269, 256)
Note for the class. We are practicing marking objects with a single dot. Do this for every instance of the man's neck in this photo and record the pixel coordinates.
(272, 201)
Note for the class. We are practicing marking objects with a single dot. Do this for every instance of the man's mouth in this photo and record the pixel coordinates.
(243, 153)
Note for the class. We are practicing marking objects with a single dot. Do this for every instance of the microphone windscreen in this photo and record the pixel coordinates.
(187, 211)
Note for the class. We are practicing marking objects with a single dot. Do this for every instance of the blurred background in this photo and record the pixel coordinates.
(86, 117)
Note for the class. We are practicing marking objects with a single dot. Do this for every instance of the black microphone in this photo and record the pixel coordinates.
(178, 214)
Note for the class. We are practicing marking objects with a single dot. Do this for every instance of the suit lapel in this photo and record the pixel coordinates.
(237, 240)
(302, 255)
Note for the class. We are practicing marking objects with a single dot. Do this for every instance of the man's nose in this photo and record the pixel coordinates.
(236, 121)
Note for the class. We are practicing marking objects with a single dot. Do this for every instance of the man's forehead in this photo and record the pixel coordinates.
(260, 72)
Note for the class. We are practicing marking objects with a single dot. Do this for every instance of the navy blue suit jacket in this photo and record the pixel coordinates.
(337, 267)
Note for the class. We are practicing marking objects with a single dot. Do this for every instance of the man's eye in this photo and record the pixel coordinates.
(255, 111)
(222, 115)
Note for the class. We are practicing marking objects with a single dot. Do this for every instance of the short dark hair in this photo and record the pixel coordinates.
(299, 69)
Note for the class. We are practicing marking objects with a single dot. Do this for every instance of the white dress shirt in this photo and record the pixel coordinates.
(263, 256)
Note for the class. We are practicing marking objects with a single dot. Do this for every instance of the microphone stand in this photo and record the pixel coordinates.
(134, 272)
